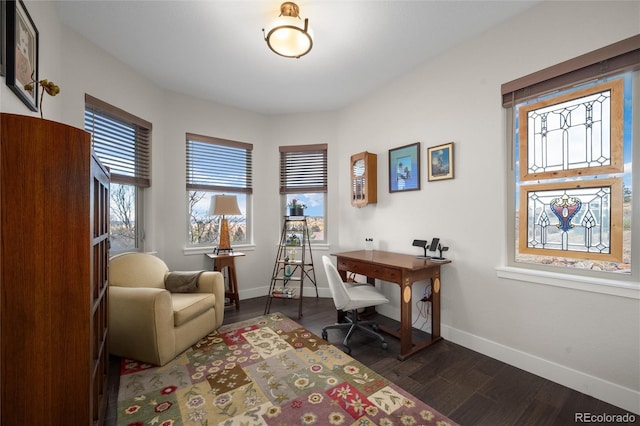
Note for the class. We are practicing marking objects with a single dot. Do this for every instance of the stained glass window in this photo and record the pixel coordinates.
(571, 178)
(573, 134)
(573, 216)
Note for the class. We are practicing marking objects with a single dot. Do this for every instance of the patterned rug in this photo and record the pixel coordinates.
(265, 371)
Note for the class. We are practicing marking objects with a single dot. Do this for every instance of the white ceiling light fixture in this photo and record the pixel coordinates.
(288, 35)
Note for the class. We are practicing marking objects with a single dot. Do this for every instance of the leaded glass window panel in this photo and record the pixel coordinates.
(579, 133)
(573, 176)
(582, 218)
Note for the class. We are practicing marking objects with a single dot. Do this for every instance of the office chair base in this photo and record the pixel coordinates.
(370, 327)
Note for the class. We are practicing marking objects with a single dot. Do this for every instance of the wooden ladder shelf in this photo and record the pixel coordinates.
(294, 263)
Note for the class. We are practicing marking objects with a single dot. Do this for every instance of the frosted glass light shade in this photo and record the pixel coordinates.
(288, 35)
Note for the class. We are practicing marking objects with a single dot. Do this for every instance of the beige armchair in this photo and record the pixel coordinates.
(150, 324)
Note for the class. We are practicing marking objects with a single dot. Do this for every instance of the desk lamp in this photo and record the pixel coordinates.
(224, 205)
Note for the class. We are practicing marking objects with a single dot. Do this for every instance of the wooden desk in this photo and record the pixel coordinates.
(404, 270)
(227, 260)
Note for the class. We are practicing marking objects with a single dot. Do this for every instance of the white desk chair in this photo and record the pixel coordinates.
(348, 297)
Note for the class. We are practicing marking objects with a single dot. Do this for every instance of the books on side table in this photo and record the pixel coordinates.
(283, 292)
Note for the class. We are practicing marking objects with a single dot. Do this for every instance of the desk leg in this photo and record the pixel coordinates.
(435, 294)
(406, 343)
(340, 315)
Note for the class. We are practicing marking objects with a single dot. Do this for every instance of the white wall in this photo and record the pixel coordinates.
(588, 341)
(295, 129)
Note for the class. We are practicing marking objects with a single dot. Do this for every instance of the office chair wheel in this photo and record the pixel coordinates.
(325, 336)
(346, 349)
(385, 345)
(375, 327)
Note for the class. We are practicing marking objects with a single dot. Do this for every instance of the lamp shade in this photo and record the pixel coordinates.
(224, 205)
(288, 35)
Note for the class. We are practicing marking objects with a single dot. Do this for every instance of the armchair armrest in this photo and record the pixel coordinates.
(141, 323)
(213, 282)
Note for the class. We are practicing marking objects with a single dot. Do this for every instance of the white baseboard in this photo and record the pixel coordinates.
(625, 398)
(262, 291)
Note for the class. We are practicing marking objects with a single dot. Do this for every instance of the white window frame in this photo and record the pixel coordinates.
(623, 285)
(300, 182)
(214, 183)
(129, 165)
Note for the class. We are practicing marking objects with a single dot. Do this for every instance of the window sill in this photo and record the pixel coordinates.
(190, 251)
(627, 289)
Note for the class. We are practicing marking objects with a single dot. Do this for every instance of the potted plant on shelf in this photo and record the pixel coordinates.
(296, 208)
(293, 240)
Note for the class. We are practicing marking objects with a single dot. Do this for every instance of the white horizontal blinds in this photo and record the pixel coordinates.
(215, 164)
(121, 141)
(303, 168)
(609, 60)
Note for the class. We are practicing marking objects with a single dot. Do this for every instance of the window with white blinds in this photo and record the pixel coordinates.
(303, 181)
(121, 141)
(215, 164)
(303, 168)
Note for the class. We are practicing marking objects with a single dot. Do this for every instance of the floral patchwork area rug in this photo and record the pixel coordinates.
(264, 371)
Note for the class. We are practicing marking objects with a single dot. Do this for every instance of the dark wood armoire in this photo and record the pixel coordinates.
(54, 248)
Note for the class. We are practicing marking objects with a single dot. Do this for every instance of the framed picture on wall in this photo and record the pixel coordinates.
(404, 168)
(21, 53)
(440, 162)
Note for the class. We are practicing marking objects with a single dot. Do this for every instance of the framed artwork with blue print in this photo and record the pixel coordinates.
(440, 162)
(404, 168)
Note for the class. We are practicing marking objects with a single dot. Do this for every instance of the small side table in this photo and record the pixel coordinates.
(227, 260)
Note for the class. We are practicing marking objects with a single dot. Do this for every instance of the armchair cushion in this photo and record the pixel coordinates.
(187, 306)
(182, 281)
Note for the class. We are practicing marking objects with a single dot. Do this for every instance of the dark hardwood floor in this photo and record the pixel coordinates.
(468, 387)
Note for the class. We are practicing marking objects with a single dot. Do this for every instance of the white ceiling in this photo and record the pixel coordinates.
(215, 49)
